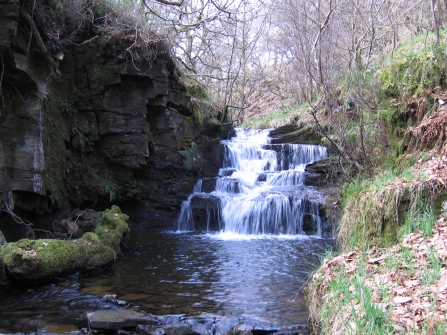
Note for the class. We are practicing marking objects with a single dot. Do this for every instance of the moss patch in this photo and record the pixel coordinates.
(39, 260)
(43, 259)
(112, 228)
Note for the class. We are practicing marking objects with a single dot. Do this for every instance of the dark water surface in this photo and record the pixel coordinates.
(236, 278)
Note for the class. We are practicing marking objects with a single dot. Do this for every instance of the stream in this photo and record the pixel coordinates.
(238, 256)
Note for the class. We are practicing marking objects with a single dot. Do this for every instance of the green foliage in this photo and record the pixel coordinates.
(374, 208)
(188, 157)
(199, 116)
(391, 117)
(46, 258)
(79, 139)
(56, 5)
(111, 189)
(433, 272)
(415, 68)
(67, 108)
(196, 90)
(349, 305)
(423, 219)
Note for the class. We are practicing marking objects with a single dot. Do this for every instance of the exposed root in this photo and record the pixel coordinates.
(29, 232)
(35, 33)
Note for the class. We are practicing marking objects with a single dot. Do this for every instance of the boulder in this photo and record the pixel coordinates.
(40, 260)
(2, 239)
(114, 320)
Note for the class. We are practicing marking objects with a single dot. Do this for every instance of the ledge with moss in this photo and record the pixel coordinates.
(34, 261)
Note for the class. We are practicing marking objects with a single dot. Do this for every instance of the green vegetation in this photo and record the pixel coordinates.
(282, 116)
(79, 139)
(379, 291)
(415, 67)
(112, 228)
(111, 189)
(34, 260)
(188, 157)
(67, 108)
(391, 263)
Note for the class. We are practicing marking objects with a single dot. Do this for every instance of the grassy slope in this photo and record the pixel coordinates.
(392, 277)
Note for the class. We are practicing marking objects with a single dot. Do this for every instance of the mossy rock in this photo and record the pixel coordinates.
(113, 229)
(4, 277)
(40, 260)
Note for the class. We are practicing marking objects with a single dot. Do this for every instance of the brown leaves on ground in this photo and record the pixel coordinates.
(430, 129)
(415, 291)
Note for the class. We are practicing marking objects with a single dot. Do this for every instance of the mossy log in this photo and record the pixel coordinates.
(40, 260)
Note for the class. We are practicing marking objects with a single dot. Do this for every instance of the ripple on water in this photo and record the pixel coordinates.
(256, 279)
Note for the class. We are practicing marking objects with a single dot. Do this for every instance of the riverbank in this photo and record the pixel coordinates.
(396, 290)
(390, 275)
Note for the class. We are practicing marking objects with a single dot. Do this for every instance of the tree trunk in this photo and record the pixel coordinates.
(435, 20)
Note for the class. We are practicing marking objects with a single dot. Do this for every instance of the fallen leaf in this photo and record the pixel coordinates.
(401, 300)
(400, 290)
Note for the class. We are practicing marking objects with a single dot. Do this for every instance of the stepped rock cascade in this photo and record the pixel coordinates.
(259, 190)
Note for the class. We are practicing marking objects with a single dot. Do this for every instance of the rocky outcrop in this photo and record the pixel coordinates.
(103, 127)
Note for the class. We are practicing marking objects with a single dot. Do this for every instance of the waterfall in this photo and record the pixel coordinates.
(38, 159)
(260, 189)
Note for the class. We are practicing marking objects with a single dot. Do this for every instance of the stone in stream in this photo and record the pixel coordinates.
(113, 320)
(182, 330)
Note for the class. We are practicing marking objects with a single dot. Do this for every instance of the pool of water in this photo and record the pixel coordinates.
(254, 280)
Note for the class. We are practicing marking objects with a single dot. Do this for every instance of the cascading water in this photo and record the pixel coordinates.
(245, 280)
(260, 190)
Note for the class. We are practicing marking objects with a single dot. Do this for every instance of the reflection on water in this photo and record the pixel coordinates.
(219, 276)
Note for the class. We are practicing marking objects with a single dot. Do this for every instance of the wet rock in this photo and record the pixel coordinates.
(2, 239)
(208, 184)
(89, 214)
(134, 118)
(295, 134)
(9, 17)
(206, 212)
(114, 320)
(145, 329)
(182, 330)
(296, 330)
(328, 168)
(329, 165)
(4, 276)
(314, 179)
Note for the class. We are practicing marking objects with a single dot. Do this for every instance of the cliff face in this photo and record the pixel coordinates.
(105, 126)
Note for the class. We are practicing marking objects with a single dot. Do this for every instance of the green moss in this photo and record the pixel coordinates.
(112, 228)
(391, 117)
(32, 260)
(199, 117)
(188, 157)
(42, 259)
(414, 68)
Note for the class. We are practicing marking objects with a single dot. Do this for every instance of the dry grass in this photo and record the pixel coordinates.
(398, 290)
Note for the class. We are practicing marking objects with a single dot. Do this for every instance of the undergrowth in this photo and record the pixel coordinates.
(390, 277)
(284, 115)
(394, 290)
